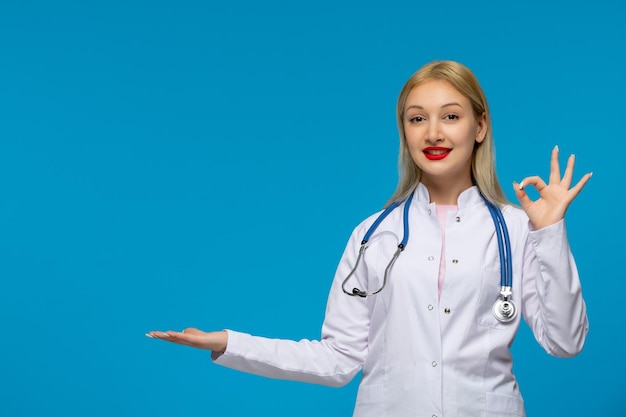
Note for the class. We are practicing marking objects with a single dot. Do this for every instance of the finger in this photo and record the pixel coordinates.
(192, 330)
(535, 181)
(178, 337)
(189, 337)
(156, 334)
(555, 169)
(569, 172)
(170, 336)
(580, 184)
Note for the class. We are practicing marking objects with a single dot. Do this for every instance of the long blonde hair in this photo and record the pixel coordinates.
(483, 157)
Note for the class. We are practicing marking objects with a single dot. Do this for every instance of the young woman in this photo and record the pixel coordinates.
(429, 318)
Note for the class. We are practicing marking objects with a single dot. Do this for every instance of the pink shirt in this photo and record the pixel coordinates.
(442, 213)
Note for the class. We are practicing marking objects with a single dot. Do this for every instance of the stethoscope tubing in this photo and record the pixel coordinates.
(366, 238)
(504, 245)
(503, 309)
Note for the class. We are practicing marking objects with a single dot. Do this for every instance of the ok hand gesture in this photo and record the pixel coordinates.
(554, 197)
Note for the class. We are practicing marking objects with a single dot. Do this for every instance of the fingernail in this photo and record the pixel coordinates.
(149, 335)
(166, 335)
(521, 185)
(556, 147)
(590, 174)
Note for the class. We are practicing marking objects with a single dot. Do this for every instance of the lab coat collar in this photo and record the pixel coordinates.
(467, 198)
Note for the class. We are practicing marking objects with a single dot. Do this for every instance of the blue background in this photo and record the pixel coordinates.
(193, 164)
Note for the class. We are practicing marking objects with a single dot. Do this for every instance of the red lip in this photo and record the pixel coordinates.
(436, 153)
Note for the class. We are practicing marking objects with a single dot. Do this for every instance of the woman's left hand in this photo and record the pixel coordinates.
(555, 197)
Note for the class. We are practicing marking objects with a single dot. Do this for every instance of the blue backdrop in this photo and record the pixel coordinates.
(173, 164)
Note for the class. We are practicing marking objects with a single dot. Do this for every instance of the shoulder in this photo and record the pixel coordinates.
(368, 222)
(390, 221)
(516, 220)
(514, 212)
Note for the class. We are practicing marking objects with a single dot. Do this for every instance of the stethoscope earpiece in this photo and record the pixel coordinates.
(356, 291)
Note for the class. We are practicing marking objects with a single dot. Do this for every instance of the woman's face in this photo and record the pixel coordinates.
(441, 131)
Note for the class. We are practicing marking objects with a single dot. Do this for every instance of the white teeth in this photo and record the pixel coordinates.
(437, 152)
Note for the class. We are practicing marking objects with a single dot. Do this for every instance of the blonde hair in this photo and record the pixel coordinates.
(483, 157)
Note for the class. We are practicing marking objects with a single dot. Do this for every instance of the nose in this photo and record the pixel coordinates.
(434, 134)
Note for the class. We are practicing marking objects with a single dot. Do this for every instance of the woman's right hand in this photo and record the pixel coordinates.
(215, 341)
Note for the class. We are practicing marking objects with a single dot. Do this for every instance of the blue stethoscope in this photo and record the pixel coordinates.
(503, 309)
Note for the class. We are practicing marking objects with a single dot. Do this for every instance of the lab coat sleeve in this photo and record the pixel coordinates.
(333, 360)
(553, 305)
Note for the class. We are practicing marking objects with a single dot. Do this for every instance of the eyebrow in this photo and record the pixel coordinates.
(415, 106)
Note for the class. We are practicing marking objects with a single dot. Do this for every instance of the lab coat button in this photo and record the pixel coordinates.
(446, 310)
(430, 258)
(458, 219)
(430, 306)
(434, 363)
(455, 261)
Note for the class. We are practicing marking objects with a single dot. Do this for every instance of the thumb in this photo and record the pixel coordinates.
(192, 330)
(521, 195)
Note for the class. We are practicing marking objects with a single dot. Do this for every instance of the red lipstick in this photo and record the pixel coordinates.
(436, 153)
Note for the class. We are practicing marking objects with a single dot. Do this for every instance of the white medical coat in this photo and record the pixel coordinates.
(424, 356)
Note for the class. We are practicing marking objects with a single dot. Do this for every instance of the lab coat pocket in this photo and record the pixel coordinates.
(501, 405)
(490, 291)
(369, 401)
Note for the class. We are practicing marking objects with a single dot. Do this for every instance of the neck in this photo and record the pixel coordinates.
(446, 192)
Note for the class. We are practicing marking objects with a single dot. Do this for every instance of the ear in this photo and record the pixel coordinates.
(481, 130)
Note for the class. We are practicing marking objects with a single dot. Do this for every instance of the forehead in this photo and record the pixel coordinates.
(435, 93)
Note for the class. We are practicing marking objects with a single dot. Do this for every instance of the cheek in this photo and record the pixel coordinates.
(462, 136)
(415, 151)
(414, 146)
(413, 136)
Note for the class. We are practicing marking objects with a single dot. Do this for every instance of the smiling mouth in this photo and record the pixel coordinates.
(436, 153)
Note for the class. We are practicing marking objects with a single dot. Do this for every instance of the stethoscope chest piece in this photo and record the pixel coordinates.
(504, 310)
